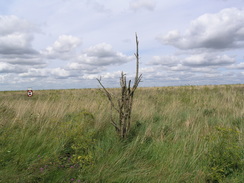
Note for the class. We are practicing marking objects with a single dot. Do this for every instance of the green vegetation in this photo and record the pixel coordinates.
(225, 155)
(178, 134)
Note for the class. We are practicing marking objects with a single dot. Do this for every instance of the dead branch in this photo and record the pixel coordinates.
(125, 102)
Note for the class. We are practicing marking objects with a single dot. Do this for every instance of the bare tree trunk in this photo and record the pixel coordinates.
(124, 104)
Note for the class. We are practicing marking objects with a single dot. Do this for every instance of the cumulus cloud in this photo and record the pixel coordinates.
(84, 68)
(16, 52)
(60, 73)
(99, 55)
(208, 60)
(13, 24)
(8, 68)
(214, 31)
(106, 75)
(237, 66)
(45, 72)
(143, 4)
(15, 43)
(202, 59)
(63, 47)
(15, 35)
(195, 60)
(102, 55)
(95, 60)
(90, 76)
(34, 72)
(34, 60)
(240, 65)
(168, 60)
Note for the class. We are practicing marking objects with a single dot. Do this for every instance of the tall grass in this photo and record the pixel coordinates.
(66, 136)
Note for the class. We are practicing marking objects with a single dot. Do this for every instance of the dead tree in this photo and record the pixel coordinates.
(123, 105)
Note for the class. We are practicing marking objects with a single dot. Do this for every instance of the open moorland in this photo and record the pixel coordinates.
(178, 135)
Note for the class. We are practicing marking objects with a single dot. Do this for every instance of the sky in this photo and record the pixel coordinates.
(63, 44)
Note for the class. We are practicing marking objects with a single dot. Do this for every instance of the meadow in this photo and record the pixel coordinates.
(186, 134)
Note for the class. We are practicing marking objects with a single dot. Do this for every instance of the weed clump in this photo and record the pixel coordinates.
(225, 155)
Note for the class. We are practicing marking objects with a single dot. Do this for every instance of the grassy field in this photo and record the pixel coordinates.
(179, 135)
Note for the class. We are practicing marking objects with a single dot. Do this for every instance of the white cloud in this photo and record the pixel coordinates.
(13, 24)
(2, 78)
(215, 31)
(60, 72)
(45, 72)
(76, 67)
(33, 60)
(91, 60)
(210, 47)
(168, 60)
(237, 66)
(15, 35)
(208, 60)
(102, 55)
(205, 62)
(33, 72)
(143, 4)
(115, 74)
(14, 42)
(66, 43)
(106, 75)
(240, 65)
(16, 52)
(95, 60)
(8, 68)
(63, 47)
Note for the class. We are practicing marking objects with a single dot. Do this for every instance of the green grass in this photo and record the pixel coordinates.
(179, 134)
